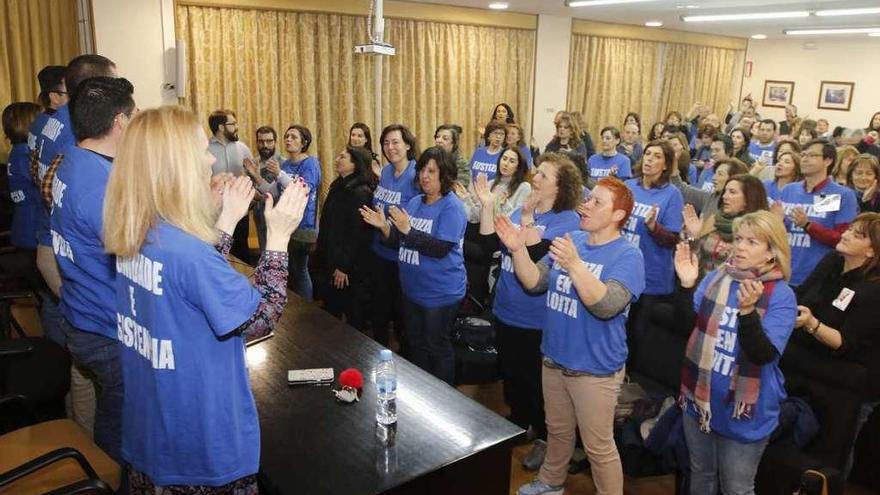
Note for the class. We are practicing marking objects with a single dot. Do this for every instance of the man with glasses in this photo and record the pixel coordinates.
(264, 172)
(100, 109)
(230, 154)
(816, 210)
(53, 92)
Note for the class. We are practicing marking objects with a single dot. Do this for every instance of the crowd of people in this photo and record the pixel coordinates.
(752, 230)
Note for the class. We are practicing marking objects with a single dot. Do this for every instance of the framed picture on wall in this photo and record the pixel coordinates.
(835, 95)
(778, 93)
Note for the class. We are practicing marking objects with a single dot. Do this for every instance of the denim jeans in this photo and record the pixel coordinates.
(299, 279)
(718, 460)
(429, 334)
(51, 319)
(99, 355)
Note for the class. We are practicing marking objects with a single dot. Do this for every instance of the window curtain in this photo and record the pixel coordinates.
(454, 73)
(610, 77)
(35, 33)
(699, 74)
(278, 68)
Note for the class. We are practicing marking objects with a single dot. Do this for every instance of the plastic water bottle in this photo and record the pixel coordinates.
(386, 389)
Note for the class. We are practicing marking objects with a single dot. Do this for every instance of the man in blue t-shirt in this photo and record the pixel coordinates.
(100, 110)
(817, 210)
(763, 150)
(50, 133)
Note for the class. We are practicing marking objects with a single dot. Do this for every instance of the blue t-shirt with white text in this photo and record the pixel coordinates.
(483, 162)
(25, 197)
(601, 165)
(513, 305)
(778, 323)
(77, 222)
(48, 136)
(573, 337)
(189, 415)
(806, 251)
(427, 281)
(660, 275)
(393, 191)
(757, 152)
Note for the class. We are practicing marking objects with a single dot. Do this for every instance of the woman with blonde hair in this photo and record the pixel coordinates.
(179, 302)
(740, 318)
(845, 156)
(568, 137)
(581, 122)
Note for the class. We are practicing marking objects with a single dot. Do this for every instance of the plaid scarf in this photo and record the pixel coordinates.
(696, 374)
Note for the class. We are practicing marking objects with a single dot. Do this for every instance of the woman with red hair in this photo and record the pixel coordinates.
(591, 276)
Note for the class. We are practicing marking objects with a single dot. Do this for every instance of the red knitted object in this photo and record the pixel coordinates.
(352, 377)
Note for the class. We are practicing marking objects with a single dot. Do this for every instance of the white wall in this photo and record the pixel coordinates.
(551, 75)
(139, 36)
(851, 59)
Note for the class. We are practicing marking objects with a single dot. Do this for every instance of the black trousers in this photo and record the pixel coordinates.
(348, 301)
(240, 240)
(385, 300)
(519, 361)
(478, 250)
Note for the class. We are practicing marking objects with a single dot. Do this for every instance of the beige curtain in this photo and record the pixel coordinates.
(280, 68)
(698, 74)
(610, 77)
(453, 73)
(33, 34)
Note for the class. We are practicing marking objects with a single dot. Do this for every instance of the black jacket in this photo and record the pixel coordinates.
(343, 236)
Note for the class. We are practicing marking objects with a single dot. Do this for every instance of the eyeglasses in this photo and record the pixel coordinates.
(814, 154)
(233, 124)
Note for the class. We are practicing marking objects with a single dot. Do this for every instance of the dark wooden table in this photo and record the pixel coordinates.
(443, 442)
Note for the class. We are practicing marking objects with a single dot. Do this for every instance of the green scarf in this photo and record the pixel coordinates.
(724, 225)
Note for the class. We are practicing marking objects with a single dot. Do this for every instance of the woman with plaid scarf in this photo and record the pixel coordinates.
(740, 318)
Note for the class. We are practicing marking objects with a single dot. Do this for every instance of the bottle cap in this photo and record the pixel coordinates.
(385, 355)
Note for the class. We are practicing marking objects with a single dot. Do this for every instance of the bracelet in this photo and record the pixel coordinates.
(812, 331)
(807, 226)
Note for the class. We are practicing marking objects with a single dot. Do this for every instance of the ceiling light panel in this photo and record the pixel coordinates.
(756, 16)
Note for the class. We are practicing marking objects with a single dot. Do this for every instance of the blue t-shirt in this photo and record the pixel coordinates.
(806, 251)
(706, 181)
(49, 135)
(573, 337)
(756, 151)
(393, 191)
(660, 278)
(483, 162)
(600, 166)
(87, 272)
(778, 323)
(773, 192)
(25, 197)
(189, 415)
(513, 305)
(427, 281)
(692, 174)
(309, 169)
